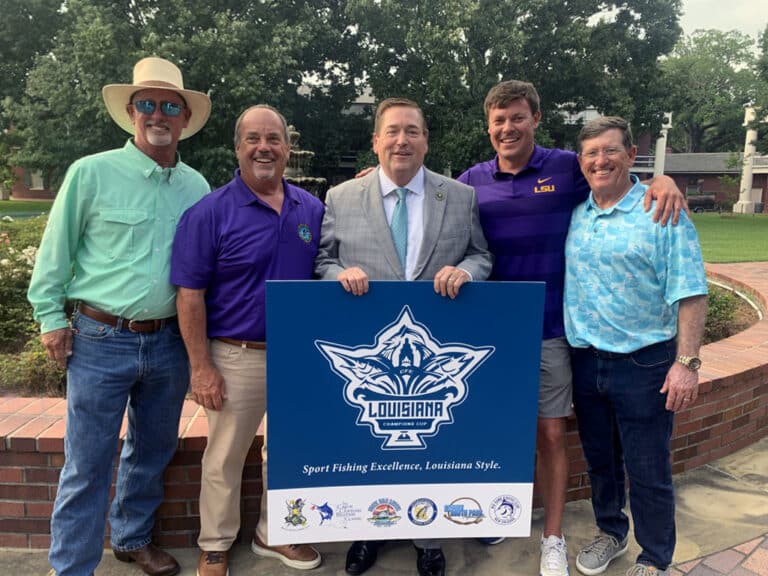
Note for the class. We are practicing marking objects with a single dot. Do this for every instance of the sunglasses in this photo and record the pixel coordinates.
(148, 107)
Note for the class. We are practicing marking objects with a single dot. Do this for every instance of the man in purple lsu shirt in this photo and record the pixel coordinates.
(526, 195)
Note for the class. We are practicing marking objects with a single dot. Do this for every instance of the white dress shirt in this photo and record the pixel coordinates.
(414, 201)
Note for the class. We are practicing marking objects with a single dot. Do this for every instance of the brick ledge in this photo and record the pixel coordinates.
(731, 413)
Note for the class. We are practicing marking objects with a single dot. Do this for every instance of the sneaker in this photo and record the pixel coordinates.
(645, 570)
(554, 556)
(595, 556)
(299, 556)
(492, 540)
(213, 564)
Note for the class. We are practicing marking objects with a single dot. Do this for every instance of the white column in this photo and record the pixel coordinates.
(745, 204)
(660, 155)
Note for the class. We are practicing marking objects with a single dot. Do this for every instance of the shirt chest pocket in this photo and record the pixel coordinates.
(121, 231)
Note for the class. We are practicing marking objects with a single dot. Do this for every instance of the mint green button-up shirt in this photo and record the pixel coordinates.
(109, 236)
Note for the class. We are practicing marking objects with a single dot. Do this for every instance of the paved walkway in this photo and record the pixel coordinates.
(748, 559)
(722, 527)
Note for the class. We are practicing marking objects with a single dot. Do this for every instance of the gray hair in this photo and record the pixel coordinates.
(266, 107)
(594, 128)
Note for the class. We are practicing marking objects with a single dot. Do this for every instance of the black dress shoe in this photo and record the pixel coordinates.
(430, 562)
(361, 556)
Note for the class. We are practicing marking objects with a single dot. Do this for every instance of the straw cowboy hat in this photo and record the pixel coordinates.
(156, 73)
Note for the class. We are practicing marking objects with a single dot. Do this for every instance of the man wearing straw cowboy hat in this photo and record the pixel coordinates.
(107, 250)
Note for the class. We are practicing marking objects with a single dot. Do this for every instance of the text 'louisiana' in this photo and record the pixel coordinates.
(405, 409)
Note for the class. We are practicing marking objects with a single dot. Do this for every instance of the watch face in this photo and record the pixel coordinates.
(694, 364)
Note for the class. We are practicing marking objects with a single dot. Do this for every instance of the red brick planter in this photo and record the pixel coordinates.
(731, 413)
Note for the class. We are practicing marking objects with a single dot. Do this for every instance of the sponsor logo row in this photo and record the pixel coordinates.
(504, 510)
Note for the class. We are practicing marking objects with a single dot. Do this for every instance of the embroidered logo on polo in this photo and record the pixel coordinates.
(422, 512)
(305, 233)
(384, 512)
(542, 185)
(407, 383)
(295, 520)
(505, 510)
(464, 511)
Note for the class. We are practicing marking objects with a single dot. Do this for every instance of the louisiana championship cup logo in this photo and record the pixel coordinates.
(407, 383)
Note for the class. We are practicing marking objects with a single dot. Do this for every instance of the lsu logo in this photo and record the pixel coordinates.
(542, 187)
(406, 384)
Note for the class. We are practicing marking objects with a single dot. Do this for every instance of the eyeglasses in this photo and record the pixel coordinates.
(609, 152)
(148, 107)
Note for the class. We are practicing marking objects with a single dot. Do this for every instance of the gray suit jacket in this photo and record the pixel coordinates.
(355, 231)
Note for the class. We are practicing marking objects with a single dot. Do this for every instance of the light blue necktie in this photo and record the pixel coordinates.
(399, 225)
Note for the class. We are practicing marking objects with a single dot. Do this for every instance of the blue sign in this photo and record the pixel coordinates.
(401, 413)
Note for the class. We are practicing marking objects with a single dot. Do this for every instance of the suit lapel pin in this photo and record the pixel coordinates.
(440, 196)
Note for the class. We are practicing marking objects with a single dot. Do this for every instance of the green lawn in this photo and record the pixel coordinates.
(11, 207)
(724, 238)
(733, 237)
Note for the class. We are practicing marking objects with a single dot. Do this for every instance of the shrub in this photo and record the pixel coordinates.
(25, 368)
(721, 313)
(18, 248)
(30, 372)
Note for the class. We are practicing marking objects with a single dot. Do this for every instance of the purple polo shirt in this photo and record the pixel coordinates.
(525, 218)
(230, 243)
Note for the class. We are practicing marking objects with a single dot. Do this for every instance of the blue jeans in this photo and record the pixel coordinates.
(109, 369)
(622, 421)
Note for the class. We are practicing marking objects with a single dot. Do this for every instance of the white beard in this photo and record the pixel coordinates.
(159, 137)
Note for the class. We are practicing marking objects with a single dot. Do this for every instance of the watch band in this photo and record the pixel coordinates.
(693, 363)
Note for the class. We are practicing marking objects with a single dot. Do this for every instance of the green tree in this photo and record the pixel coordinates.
(446, 54)
(710, 76)
(241, 52)
(761, 100)
(27, 29)
(62, 116)
(246, 53)
(310, 58)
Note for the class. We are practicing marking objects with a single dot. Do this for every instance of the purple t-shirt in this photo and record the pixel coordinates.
(230, 243)
(525, 219)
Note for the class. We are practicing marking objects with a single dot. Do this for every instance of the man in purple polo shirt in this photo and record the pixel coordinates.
(255, 228)
(526, 195)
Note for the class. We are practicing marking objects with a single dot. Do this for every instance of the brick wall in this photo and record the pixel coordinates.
(731, 413)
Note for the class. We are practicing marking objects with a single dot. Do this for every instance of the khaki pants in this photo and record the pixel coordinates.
(231, 431)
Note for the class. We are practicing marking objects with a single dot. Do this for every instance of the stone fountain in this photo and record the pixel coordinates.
(298, 162)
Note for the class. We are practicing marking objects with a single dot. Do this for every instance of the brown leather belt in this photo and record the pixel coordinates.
(243, 343)
(143, 326)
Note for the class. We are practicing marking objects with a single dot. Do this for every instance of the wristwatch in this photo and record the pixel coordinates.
(693, 363)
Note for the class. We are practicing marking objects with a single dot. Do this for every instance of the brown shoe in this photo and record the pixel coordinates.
(299, 556)
(151, 559)
(213, 564)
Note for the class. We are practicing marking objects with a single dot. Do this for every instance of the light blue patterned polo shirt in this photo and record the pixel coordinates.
(625, 274)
